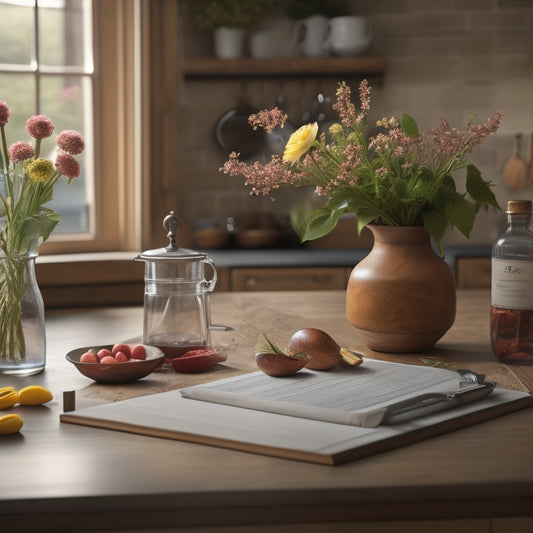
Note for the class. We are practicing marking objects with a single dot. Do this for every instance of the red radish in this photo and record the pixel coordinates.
(121, 347)
(108, 360)
(104, 352)
(138, 352)
(89, 357)
(121, 357)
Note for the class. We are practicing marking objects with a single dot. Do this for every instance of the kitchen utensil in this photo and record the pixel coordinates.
(234, 133)
(176, 296)
(120, 372)
(258, 237)
(515, 171)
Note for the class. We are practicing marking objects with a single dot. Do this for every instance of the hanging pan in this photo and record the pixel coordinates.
(234, 133)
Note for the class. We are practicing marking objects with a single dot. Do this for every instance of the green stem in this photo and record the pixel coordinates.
(5, 154)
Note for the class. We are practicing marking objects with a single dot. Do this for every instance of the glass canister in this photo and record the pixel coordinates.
(176, 295)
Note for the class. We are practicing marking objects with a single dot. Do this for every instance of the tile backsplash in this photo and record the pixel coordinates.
(445, 58)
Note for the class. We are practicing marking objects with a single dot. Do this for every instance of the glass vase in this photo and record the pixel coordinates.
(22, 339)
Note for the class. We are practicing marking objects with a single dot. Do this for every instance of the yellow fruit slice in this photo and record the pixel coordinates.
(10, 424)
(350, 357)
(8, 397)
(34, 395)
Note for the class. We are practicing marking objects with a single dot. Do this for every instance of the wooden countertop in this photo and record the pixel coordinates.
(61, 477)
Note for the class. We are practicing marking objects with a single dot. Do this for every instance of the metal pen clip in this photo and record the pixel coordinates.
(472, 387)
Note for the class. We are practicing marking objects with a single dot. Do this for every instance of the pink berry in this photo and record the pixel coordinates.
(108, 360)
(104, 352)
(124, 348)
(138, 352)
(89, 357)
(121, 357)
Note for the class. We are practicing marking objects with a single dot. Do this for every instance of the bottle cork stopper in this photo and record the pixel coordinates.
(519, 206)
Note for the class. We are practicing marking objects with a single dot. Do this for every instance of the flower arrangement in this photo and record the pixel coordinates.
(26, 184)
(398, 177)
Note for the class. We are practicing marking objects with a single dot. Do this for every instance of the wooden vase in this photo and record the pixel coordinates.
(401, 296)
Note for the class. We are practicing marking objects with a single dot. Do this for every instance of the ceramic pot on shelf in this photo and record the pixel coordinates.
(401, 297)
(229, 42)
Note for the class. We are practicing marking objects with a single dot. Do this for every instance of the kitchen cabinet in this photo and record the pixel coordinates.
(277, 279)
(473, 272)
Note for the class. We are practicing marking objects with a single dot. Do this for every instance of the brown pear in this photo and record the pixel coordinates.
(325, 352)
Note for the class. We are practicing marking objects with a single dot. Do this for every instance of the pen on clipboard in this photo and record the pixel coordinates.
(472, 387)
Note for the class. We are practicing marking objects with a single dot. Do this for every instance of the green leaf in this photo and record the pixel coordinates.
(37, 228)
(478, 188)
(264, 345)
(460, 213)
(435, 224)
(409, 126)
(322, 221)
(366, 216)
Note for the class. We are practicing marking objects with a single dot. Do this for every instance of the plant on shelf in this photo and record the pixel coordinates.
(212, 14)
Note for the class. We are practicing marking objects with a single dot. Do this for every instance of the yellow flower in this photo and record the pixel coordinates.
(39, 169)
(336, 129)
(300, 142)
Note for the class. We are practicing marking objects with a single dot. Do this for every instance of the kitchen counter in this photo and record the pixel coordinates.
(61, 477)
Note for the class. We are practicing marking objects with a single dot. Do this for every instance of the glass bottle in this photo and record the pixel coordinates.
(511, 314)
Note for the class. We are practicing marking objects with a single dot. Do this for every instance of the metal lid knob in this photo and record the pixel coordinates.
(171, 223)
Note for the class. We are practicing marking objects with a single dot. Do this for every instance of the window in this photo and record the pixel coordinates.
(74, 61)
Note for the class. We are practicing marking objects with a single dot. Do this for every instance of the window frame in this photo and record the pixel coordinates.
(116, 126)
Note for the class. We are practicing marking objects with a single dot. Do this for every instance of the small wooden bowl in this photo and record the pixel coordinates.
(119, 373)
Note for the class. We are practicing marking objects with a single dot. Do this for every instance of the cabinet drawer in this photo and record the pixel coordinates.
(473, 272)
(288, 279)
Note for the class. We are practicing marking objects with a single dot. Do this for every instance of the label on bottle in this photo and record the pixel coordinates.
(512, 284)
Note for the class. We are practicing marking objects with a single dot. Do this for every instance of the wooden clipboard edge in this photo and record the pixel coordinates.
(325, 458)
(218, 442)
(427, 432)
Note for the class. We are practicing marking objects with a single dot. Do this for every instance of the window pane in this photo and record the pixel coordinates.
(67, 101)
(16, 33)
(18, 91)
(63, 33)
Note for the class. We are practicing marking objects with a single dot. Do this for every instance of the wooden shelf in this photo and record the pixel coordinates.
(210, 67)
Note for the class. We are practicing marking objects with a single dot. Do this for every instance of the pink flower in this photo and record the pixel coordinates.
(71, 142)
(344, 106)
(4, 113)
(20, 151)
(67, 165)
(268, 119)
(39, 126)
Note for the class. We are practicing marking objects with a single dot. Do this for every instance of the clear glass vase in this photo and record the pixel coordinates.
(22, 338)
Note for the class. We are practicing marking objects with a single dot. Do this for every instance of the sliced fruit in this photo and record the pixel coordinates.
(34, 395)
(195, 361)
(280, 364)
(8, 397)
(10, 424)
